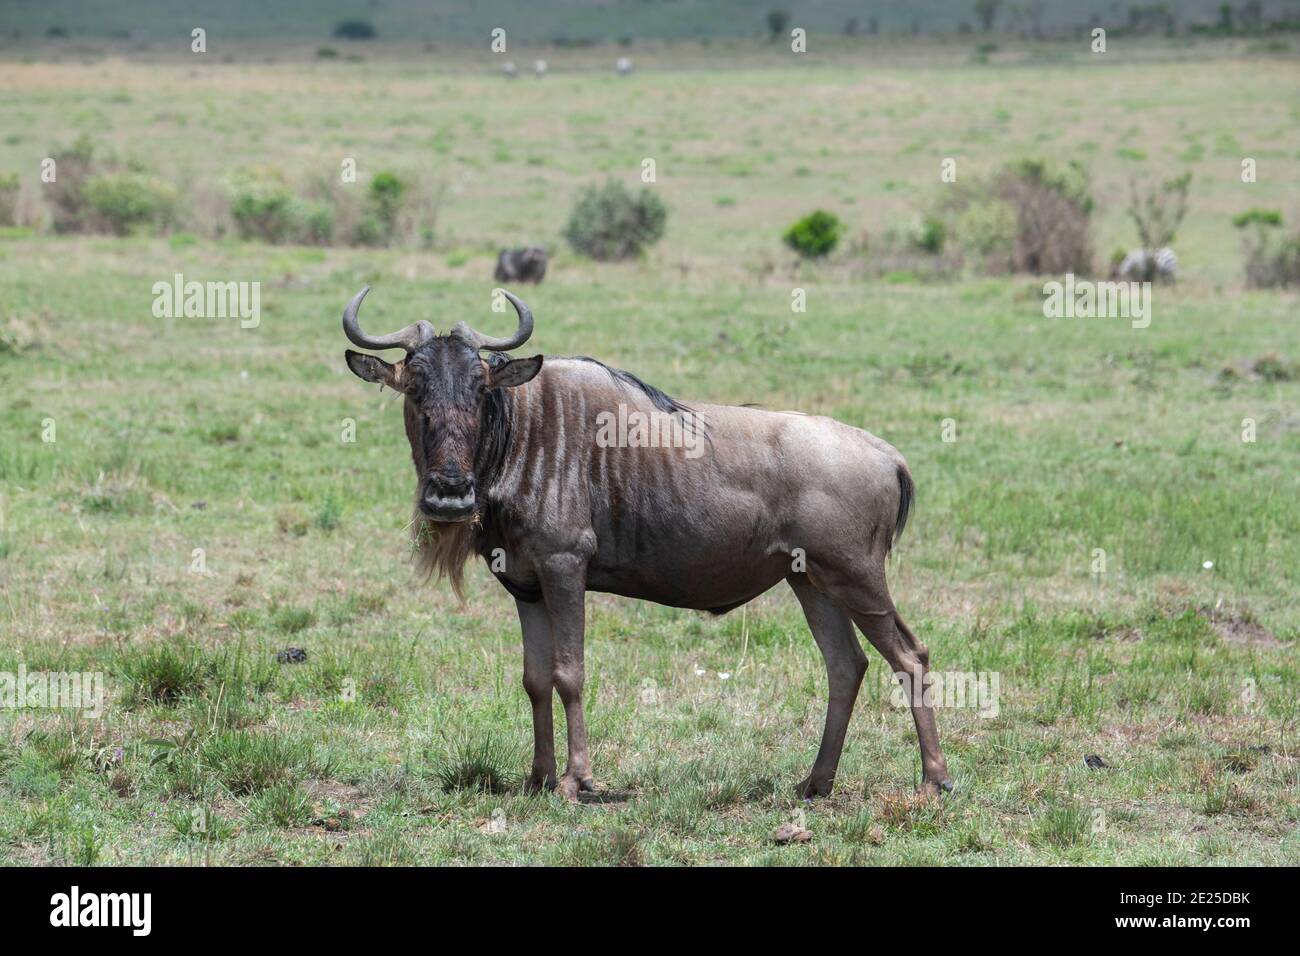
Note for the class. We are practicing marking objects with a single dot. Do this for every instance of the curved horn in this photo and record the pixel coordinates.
(409, 338)
(480, 341)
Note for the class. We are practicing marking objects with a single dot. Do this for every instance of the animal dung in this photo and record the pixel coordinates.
(791, 833)
(292, 655)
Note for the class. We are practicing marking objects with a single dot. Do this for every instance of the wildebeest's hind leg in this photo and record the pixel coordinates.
(539, 682)
(845, 665)
(908, 657)
(860, 591)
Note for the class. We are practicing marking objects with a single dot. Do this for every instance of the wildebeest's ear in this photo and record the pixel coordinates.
(515, 372)
(372, 368)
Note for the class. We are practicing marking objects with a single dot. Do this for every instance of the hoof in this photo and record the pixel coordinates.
(570, 786)
(808, 789)
(932, 789)
(539, 783)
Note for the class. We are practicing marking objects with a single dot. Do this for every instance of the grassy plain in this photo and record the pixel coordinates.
(1071, 435)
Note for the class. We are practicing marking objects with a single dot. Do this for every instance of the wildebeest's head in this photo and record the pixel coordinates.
(449, 391)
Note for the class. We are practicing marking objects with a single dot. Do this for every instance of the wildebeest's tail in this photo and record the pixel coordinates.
(907, 491)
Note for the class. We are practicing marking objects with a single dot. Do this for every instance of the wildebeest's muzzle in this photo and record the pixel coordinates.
(448, 495)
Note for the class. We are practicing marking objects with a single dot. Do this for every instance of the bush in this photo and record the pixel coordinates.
(386, 191)
(609, 223)
(1272, 257)
(1030, 216)
(987, 228)
(123, 202)
(263, 207)
(1158, 211)
(930, 235)
(9, 200)
(384, 200)
(73, 168)
(315, 222)
(87, 196)
(1052, 210)
(1257, 217)
(355, 30)
(815, 235)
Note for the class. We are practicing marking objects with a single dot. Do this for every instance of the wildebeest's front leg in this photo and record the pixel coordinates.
(539, 682)
(564, 586)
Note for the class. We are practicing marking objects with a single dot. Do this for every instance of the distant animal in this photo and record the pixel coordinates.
(510, 70)
(539, 67)
(1141, 266)
(521, 265)
(572, 476)
(623, 66)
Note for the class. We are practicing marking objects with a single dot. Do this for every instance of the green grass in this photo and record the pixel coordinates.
(407, 727)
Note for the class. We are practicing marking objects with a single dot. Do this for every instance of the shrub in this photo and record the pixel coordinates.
(930, 235)
(1052, 210)
(73, 168)
(1272, 257)
(263, 207)
(1158, 211)
(123, 202)
(815, 235)
(609, 223)
(354, 30)
(386, 191)
(315, 222)
(9, 200)
(87, 196)
(1030, 216)
(384, 201)
(987, 228)
(1257, 217)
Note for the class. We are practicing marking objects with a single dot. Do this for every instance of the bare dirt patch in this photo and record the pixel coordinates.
(1239, 629)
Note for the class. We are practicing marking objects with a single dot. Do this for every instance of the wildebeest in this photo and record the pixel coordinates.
(521, 265)
(514, 462)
